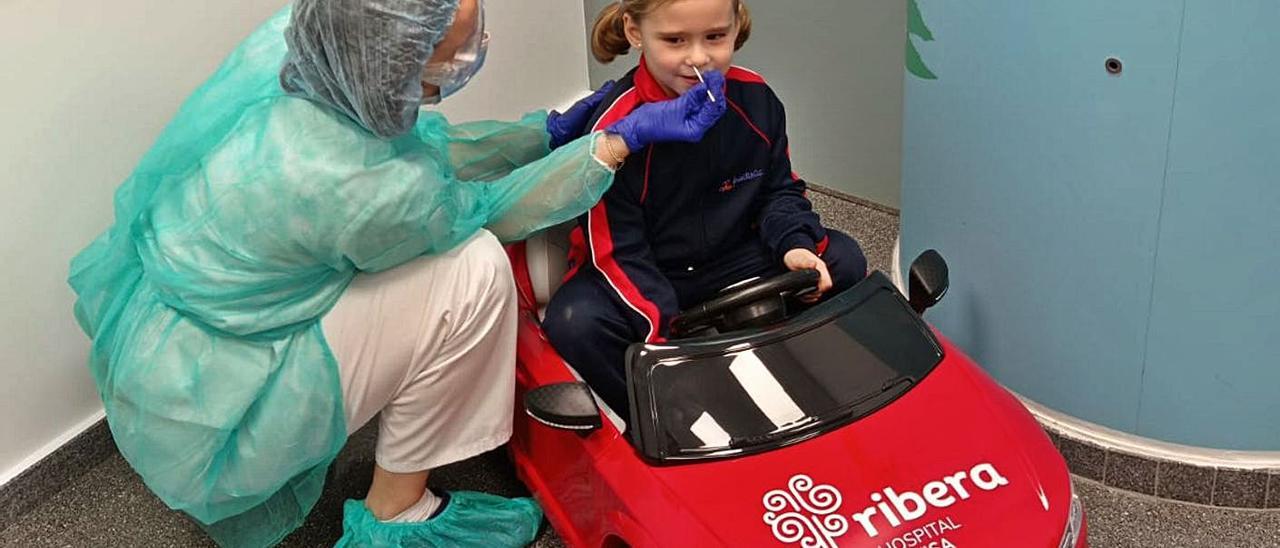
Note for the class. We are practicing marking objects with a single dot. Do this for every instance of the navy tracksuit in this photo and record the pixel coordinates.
(681, 222)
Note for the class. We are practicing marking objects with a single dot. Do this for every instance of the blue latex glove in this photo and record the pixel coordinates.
(567, 126)
(685, 118)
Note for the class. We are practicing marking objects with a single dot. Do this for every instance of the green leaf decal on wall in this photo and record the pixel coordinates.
(916, 27)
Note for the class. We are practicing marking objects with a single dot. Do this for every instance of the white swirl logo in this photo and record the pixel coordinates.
(805, 513)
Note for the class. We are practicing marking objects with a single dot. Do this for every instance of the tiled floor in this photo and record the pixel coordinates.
(1124, 519)
(110, 507)
(107, 505)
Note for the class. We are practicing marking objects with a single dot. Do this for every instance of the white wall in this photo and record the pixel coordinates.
(537, 59)
(87, 87)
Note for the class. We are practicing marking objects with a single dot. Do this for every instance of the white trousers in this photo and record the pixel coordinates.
(431, 346)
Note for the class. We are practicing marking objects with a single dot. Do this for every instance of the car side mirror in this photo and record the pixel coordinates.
(929, 280)
(566, 406)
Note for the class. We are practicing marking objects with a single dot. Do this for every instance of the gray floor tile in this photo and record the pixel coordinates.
(1240, 489)
(1131, 473)
(1184, 482)
(1083, 458)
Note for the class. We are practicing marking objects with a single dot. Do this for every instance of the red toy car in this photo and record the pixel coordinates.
(851, 423)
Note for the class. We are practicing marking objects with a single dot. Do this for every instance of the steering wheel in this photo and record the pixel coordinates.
(749, 304)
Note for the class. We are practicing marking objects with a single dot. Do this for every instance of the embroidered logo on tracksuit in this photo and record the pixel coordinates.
(747, 177)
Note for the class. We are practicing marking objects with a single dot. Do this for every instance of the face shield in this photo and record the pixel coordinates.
(450, 76)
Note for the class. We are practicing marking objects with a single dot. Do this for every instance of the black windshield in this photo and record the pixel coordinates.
(729, 395)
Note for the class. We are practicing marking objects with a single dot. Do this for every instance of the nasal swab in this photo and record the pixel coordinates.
(704, 82)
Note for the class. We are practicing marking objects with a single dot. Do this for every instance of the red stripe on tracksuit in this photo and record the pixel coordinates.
(623, 105)
(752, 125)
(744, 75)
(599, 243)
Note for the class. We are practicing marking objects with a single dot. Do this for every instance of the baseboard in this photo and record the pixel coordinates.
(1212, 477)
(52, 469)
(51, 447)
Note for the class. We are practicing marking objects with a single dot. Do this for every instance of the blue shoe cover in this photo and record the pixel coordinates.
(469, 519)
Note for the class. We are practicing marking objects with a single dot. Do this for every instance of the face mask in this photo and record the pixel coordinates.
(450, 76)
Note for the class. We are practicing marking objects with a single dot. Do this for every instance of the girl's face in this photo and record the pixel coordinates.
(683, 34)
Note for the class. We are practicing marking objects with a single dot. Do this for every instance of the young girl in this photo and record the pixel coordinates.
(682, 221)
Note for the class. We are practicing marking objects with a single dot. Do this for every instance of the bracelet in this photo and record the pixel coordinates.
(608, 145)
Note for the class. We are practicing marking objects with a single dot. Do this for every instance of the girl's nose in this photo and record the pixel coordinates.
(698, 58)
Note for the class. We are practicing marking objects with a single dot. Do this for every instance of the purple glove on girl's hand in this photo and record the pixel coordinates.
(567, 126)
(685, 118)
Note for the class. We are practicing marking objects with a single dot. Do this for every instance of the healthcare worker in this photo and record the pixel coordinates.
(303, 249)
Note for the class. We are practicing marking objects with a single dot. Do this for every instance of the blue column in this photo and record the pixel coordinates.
(1111, 236)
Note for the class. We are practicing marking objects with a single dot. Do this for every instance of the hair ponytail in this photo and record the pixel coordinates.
(608, 37)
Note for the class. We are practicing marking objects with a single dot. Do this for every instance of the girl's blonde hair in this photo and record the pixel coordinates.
(609, 40)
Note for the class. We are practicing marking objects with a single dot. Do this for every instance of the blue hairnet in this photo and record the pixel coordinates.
(365, 57)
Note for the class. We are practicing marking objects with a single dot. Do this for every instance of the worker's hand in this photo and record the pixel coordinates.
(685, 118)
(801, 259)
(572, 123)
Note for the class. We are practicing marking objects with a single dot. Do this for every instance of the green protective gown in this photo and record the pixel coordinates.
(237, 232)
